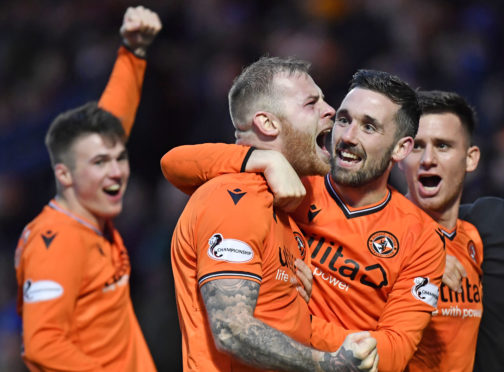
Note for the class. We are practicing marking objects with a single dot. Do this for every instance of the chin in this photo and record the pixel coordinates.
(429, 204)
(111, 212)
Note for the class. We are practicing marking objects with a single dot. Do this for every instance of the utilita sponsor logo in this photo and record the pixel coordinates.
(470, 293)
(327, 255)
(282, 275)
(336, 283)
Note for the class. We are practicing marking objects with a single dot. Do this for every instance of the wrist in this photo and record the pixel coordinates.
(140, 51)
(261, 160)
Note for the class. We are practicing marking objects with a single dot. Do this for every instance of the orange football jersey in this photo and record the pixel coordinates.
(229, 229)
(376, 268)
(449, 341)
(73, 280)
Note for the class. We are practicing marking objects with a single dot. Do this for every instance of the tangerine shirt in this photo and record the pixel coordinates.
(449, 341)
(230, 230)
(376, 268)
(73, 279)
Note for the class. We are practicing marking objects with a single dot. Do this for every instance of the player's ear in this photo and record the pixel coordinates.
(266, 123)
(402, 148)
(472, 158)
(63, 174)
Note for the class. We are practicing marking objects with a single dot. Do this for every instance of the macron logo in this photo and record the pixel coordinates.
(312, 212)
(48, 237)
(236, 195)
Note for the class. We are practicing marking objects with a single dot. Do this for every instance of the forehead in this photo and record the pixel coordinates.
(93, 144)
(441, 126)
(298, 85)
(361, 102)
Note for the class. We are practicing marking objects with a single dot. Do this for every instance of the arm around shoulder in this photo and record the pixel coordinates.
(188, 167)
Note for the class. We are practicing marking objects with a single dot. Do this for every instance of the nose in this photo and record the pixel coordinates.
(115, 170)
(428, 157)
(349, 134)
(327, 110)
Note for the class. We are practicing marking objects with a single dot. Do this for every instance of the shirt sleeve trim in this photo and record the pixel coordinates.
(245, 160)
(240, 274)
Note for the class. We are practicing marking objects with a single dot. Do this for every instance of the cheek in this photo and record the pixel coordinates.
(410, 164)
(88, 182)
(126, 170)
(456, 173)
(336, 134)
(409, 167)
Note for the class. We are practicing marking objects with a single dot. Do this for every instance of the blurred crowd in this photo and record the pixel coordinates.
(55, 55)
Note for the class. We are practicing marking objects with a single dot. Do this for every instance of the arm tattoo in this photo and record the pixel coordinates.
(344, 361)
(230, 305)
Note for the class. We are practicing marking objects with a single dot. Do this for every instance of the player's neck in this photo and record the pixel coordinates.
(361, 196)
(73, 206)
(447, 217)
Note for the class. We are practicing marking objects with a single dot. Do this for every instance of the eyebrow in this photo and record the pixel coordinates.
(367, 118)
(123, 153)
(448, 141)
(436, 140)
(372, 120)
(314, 96)
(108, 156)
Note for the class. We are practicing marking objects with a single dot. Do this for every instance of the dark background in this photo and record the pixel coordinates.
(55, 55)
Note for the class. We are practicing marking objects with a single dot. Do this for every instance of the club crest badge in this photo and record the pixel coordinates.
(383, 244)
(301, 245)
(471, 249)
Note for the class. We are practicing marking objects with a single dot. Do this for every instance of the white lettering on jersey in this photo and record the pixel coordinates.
(336, 283)
(42, 290)
(230, 250)
(455, 311)
(425, 291)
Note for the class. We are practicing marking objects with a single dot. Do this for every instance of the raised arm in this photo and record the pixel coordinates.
(122, 94)
(230, 306)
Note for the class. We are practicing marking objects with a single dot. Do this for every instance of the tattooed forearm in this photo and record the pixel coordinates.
(344, 361)
(230, 306)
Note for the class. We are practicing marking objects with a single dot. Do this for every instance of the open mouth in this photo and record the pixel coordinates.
(112, 190)
(347, 156)
(429, 181)
(324, 140)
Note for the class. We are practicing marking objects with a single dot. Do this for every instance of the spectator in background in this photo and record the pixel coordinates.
(72, 267)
